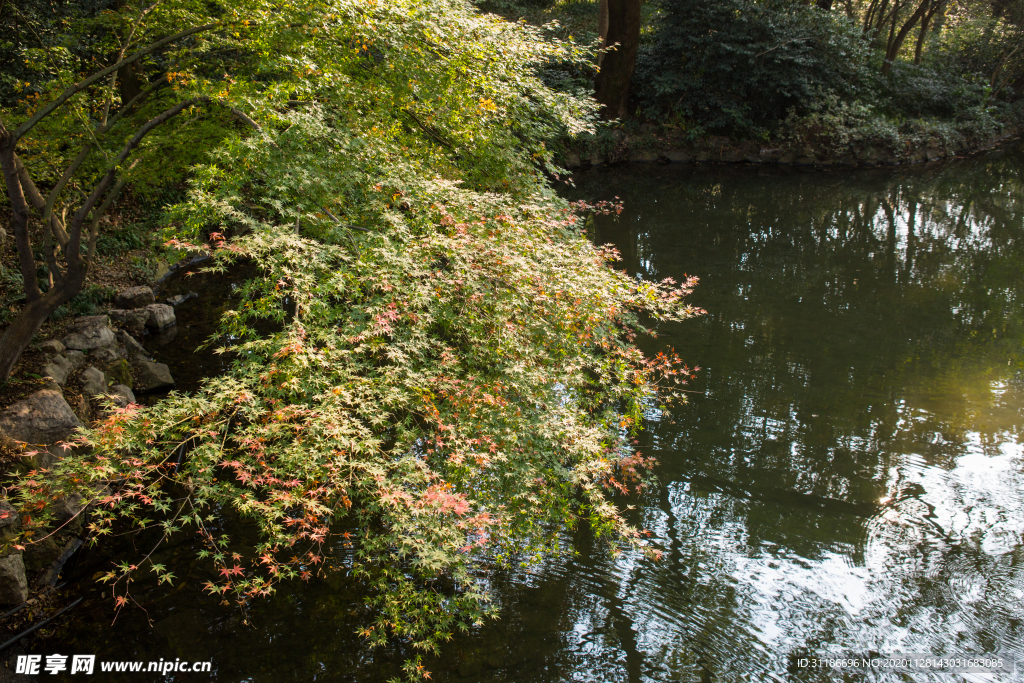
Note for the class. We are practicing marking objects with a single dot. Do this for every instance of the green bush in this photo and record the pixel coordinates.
(86, 302)
(738, 66)
(122, 240)
(987, 48)
(920, 91)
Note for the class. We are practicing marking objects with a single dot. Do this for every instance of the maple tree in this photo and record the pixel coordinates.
(453, 380)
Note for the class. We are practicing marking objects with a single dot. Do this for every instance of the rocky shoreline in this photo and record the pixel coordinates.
(99, 364)
(667, 146)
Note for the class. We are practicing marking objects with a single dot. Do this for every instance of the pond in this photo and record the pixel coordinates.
(847, 479)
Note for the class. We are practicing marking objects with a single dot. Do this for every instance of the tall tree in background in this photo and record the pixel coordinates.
(620, 20)
(892, 21)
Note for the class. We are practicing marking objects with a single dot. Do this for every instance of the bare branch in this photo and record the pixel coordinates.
(245, 119)
(56, 276)
(125, 108)
(19, 217)
(335, 219)
(51, 199)
(36, 198)
(428, 130)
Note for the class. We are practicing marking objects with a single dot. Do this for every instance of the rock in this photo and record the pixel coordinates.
(132, 320)
(787, 158)
(90, 321)
(678, 156)
(805, 161)
(51, 346)
(119, 372)
(90, 333)
(702, 156)
(121, 395)
(135, 321)
(734, 155)
(82, 410)
(41, 554)
(132, 347)
(42, 418)
(76, 358)
(752, 158)
(153, 376)
(70, 511)
(933, 154)
(872, 155)
(573, 160)
(181, 298)
(8, 521)
(13, 585)
(645, 155)
(162, 270)
(50, 575)
(58, 367)
(135, 297)
(161, 316)
(94, 382)
(105, 355)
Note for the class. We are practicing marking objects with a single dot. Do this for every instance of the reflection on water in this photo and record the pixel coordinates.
(846, 479)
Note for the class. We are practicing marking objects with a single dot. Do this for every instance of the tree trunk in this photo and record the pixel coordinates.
(896, 40)
(38, 306)
(602, 29)
(919, 48)
(925, 24)
(19, 333)
(19, 217)
(613, 80)
(128, 82)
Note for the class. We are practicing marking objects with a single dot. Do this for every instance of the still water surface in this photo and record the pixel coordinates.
(847, 478)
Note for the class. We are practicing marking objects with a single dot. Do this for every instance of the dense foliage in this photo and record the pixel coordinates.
(744, 67)
(452, 379)
(29, 26)
(741, 66)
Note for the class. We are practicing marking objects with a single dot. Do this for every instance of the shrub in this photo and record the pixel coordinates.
(740, 66)
(86, 302)
(925, 91)
(122, 240)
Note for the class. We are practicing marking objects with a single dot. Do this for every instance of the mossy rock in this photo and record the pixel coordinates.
(119, 372)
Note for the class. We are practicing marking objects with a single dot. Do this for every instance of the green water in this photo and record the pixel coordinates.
(846, 478)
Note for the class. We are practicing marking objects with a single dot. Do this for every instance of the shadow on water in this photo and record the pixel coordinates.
(197, 322)
(846, 479)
